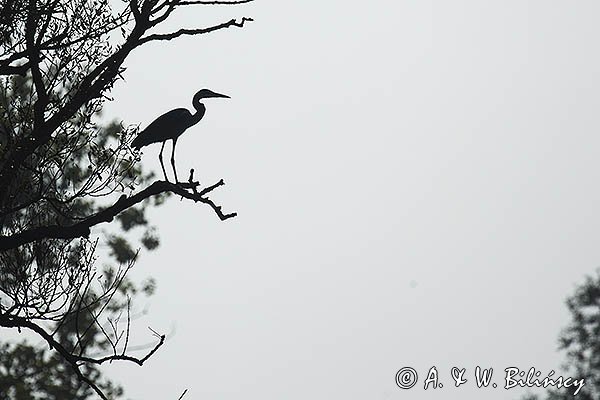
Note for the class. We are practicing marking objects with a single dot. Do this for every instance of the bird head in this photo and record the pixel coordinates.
(206, 93)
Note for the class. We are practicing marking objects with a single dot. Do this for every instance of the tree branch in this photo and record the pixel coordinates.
(15, 70)
(82, 228)
(34, 59)
(123, 357)
(19, 322)
(73, 359)
(173, 35)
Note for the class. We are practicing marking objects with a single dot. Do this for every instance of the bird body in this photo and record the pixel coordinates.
(173, 124)
(170, 125)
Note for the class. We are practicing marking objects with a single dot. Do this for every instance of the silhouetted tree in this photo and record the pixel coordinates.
(31, 372)
(581, 342)
(62, 174)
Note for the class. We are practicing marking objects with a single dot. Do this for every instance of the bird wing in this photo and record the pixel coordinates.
(168, 126)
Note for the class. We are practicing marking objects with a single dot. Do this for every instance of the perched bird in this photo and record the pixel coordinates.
(171, 125)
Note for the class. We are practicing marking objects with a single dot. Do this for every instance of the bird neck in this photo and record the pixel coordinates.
(200, 110)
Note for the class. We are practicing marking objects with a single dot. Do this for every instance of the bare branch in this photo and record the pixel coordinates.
(123, 357)
(18, 322)
(173, 35)
(82, 229)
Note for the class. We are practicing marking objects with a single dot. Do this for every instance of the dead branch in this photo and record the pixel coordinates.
(82, 229)
(181, 32)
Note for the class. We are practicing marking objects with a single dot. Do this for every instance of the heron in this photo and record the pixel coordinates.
(171, 125)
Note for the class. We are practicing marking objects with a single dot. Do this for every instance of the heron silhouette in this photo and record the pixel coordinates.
(171, 125)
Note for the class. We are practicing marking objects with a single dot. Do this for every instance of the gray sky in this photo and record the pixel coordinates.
(416, 184)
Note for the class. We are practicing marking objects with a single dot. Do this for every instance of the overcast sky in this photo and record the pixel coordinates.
(416, 182)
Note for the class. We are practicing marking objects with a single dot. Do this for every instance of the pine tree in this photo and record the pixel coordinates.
(63, 175)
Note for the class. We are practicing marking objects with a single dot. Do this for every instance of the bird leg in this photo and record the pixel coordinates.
(173, 160)
(161, 161)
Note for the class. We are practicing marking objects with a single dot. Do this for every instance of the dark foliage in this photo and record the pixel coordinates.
(64, 177)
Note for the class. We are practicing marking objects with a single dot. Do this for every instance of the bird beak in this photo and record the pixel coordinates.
(220, 95)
